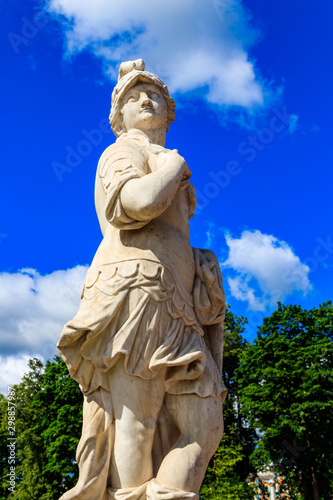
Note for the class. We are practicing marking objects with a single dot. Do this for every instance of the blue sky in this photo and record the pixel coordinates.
(252, 83)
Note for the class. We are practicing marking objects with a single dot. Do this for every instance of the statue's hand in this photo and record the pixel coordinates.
(171, 160)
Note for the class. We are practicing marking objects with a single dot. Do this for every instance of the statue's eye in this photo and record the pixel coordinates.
(132, 96)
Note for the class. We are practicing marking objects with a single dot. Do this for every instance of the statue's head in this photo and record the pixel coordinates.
(133, 80)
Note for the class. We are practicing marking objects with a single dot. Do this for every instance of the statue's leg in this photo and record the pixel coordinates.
(200, 421)
(136, 405)
(94, 449)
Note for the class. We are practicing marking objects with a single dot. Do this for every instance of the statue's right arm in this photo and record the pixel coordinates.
(146, 198)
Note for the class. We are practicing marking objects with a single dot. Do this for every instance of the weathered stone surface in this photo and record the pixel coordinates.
(146, 343)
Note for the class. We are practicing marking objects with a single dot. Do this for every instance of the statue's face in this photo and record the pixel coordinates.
(144, 108)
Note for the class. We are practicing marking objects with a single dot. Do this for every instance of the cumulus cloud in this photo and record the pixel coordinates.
(12, 370)
(191, 43)
(266, 269)
(33, 311)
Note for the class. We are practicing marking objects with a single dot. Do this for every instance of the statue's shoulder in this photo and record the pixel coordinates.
(122, 153)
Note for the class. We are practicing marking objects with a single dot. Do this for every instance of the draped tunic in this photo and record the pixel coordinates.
(148, 295)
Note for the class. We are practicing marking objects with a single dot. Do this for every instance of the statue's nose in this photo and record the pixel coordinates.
(145, 99)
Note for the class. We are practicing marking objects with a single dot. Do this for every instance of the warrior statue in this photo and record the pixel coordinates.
(146, 344)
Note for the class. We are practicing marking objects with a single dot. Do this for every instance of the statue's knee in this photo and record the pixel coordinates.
(209, 435)
(144, 430)
(216, 429)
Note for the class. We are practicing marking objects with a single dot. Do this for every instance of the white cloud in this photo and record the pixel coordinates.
(261, 260)
(190, 43)
(12, 370)
(241, 290)
(33, 311)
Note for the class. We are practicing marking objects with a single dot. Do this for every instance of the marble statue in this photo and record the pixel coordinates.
(146, 344)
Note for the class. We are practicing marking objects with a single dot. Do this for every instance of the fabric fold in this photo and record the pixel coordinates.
(141, 314)
(156, 491)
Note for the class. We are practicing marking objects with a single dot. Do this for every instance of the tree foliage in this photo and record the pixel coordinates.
(48, 427)
(230, 468)
(281, 387)
(286, 386)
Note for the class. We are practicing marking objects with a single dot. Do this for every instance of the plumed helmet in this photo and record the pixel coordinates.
(130, 73)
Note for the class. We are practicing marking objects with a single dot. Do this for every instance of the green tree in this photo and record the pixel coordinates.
(286, 386)
(61, 425)
(222, 480)
(230, 467)
(49, 418)
(29, 444)
(48, 427)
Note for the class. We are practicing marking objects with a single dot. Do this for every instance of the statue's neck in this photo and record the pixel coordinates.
(156, 136)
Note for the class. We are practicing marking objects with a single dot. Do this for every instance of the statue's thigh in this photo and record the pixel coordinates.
(136, 405)
(135, 400)
(199, 419)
